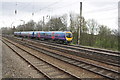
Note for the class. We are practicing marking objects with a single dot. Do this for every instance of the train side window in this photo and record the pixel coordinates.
(42, 34)
(56, 35)
(46, 34)
(49, 34)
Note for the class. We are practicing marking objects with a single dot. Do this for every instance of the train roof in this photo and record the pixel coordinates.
(42, 31)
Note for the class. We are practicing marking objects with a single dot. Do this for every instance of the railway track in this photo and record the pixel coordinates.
(106, 72)
(98, 49)
(85, 49)
(47, 69)
(79, 47)
(109, 58)
(104, 57)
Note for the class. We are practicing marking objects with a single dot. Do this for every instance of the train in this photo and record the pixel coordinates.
(64, 37)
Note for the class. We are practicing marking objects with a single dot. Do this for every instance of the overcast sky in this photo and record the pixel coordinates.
(103, 11)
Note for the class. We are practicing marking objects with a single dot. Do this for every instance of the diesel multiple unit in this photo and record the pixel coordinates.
(57, 36)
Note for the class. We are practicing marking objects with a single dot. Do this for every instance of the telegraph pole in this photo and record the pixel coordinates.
(119, 25)
(79, 30)
(43, 23)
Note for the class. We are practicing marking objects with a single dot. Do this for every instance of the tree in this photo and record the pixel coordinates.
(7, 30)
(20, 28)
(75, 24)
(92, 26)
(29, 26)
(39, 26)
(55, 24)
(105, 37)
(115, 39)
(64, 21)
(84, 28)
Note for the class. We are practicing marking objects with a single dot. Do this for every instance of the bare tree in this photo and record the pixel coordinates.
(64, 20)
(30, 26)
(39, 26)
(92, 26)
(56, 24)
(92, 30)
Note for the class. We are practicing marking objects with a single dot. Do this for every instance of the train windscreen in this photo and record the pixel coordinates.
(68, 35)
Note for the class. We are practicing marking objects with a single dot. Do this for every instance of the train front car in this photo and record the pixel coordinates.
(15, 33)
(69, 37)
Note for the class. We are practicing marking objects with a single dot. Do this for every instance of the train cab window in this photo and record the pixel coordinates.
(68, 35)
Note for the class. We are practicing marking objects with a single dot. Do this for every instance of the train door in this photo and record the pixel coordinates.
(53, 35)
(32, 34)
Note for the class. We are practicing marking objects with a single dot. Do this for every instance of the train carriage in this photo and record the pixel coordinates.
(48, 35)
(42, 35)
(31, 34)
(56, 36)
(63, 37)
(17, 33)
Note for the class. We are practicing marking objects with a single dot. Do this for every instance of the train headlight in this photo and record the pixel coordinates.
(68, 39)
